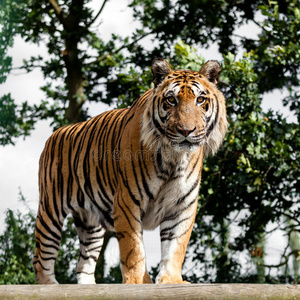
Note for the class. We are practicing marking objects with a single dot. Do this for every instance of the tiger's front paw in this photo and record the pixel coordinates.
(166, 279)
(147, 278)
(134, 279)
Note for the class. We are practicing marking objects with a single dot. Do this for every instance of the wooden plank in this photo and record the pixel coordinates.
(172, 292)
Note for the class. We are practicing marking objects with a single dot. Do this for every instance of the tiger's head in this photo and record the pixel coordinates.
(187, 110)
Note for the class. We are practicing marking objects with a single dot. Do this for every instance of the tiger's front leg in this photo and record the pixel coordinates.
(129, 233)
(175, 235)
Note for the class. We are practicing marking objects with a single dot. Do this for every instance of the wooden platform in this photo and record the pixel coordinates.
(172, 292)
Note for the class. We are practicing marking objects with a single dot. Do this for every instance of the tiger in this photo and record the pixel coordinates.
(132, 169)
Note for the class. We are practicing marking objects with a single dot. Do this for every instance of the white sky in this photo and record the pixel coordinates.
(19, 163)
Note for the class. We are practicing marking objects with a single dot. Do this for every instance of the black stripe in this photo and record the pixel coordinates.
(46, 245)
(60, 178)
(143, 159)
(47, 238)
(94, 258)
(54, 200)
(128, 219)
(103, 147)
(52, 150)
(159, 163)
(144, 97)
(38, 262)
(171, 217)
(114, 137)
(47, 258)
(135, 175)
(111, 135)
(137, 202)
(213, 124)
(91, 243)
(102, 125)
(181, 199)
(104, 197)
(95, 230)
(96, 238)
(128, 119)
(167, 230)
(194, 166)
(80, 197)
(45, 225)
(86, 159)
(144, 181)
(155, 122)
(71, 130)
(171, 237)
(50, 216)
(159, 175)
(70, 180)
(46, 252)
(78, 144)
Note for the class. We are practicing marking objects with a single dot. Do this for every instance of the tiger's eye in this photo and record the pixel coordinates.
(172, 101)
(200, 100)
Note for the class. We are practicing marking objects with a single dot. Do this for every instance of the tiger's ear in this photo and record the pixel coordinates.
(160, 69)
(211, 70)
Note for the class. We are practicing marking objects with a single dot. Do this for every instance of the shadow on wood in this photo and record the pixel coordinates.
(178, 291)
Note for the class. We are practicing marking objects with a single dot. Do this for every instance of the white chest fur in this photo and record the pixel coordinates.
(171, 194)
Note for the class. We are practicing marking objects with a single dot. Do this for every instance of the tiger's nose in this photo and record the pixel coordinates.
(185, 131)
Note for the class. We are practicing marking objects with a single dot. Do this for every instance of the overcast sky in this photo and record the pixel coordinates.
(19, 163)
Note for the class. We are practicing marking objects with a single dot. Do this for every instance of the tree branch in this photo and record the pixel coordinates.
(97, 15)
(260, 26)
(293, 252)
(292, 218)
(58, 11)
(102, 57)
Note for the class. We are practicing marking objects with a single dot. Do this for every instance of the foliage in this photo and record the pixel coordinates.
(252, 181)
(17, 248)
(79, 64)
(8, 120)
(275, 49)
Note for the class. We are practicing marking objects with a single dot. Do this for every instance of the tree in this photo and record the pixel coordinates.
(81, 67)
(79, 62)
(196, 22)
(254, 179)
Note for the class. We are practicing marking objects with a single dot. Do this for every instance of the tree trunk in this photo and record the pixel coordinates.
(74, 80)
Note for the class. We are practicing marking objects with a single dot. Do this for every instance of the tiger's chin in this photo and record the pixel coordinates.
(185, 146)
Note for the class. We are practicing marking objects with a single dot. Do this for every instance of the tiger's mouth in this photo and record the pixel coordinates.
(188, 144)
(180, 142)
(185, 144)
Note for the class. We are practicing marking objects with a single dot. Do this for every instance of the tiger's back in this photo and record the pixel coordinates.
(76, 165)
(131, 169)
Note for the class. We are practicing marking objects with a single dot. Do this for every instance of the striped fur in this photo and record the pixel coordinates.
(132, 169)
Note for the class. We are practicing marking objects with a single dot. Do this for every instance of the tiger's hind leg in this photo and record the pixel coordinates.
(91, 240)
(48, 236)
